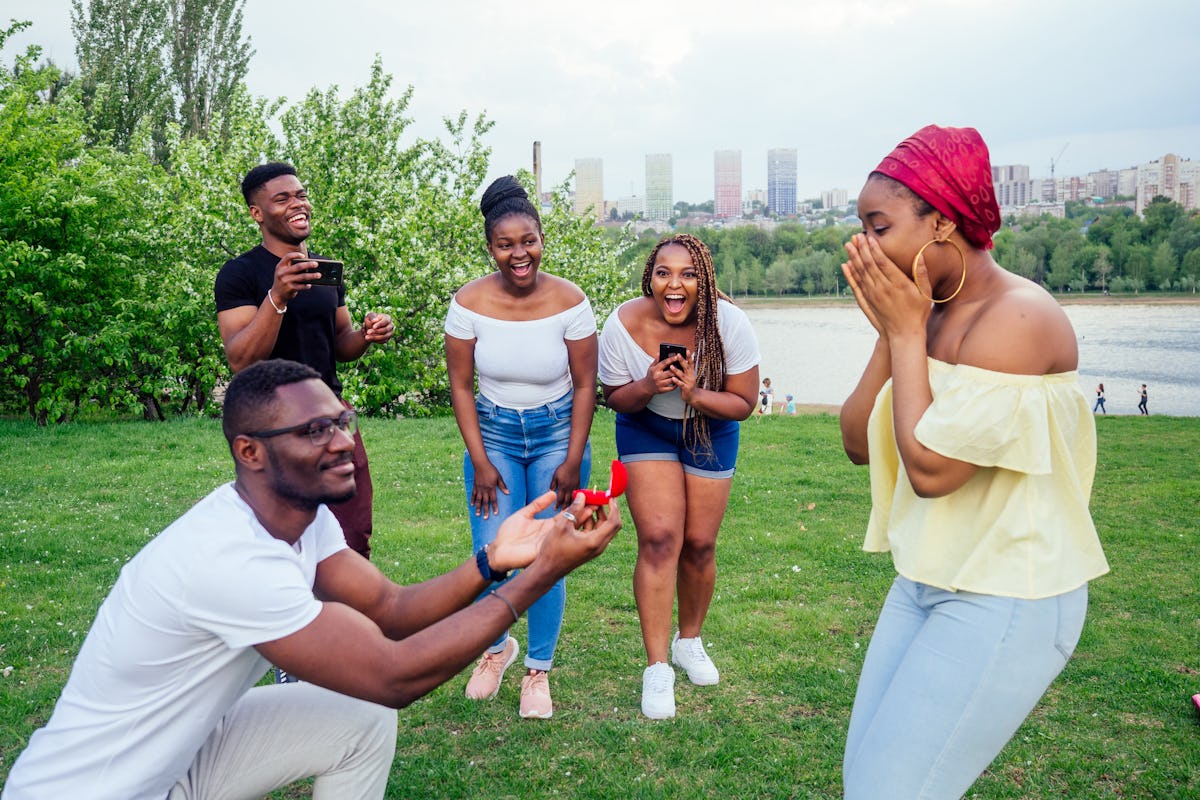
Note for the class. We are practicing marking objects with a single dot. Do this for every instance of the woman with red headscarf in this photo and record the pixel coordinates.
(982, 450)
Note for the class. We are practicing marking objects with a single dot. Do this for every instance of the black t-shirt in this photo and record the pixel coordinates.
(307, 332)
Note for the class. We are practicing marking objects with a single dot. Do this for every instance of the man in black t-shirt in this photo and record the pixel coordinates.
(266, 308)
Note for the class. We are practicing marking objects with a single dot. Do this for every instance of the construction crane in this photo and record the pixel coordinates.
(1053, 161)
(1056, 159)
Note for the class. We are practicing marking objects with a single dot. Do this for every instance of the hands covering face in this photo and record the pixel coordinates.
(887, 296)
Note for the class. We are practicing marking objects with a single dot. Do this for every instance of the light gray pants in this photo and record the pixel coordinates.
(279, 734)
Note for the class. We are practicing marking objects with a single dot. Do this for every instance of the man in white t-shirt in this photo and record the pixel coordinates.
(160, 704)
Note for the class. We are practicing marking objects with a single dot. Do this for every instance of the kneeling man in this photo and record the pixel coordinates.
(160, 702)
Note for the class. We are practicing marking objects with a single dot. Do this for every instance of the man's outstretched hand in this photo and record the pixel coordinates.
(557, 543)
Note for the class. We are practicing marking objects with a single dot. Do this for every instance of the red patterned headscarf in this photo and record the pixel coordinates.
(950, 169)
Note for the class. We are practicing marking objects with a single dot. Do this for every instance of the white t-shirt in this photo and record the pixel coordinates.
(522, 363)
(171, 651)
(622, 360)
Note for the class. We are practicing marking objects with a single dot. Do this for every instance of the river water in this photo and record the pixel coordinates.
(818, 353)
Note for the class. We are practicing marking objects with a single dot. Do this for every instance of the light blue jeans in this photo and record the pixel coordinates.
(526, 446)
(948, 679)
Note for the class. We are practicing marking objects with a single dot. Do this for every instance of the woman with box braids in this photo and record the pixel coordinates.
(680, 366)
(710, 355)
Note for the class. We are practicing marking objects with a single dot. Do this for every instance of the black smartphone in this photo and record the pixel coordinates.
(331, 272)
(665, 351)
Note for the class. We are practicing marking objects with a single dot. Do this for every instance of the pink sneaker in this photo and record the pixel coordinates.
(485, 680)
(535, 697)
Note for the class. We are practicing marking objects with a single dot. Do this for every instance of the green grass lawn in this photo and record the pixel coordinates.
(795, 605)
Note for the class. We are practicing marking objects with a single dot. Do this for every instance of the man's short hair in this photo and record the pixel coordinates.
(250, 399)
(256, 177)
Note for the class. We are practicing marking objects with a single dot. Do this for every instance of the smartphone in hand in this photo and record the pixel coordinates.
(331, 272)
(666, 350)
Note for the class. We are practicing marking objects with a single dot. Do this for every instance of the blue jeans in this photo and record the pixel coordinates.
(525, 446)
(948, 679)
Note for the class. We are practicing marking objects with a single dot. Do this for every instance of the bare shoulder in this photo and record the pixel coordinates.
(636, 313)
(563, 293)
(1021, 330)
(475, 295)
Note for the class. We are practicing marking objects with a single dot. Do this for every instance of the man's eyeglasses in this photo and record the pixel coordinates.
(320, 430)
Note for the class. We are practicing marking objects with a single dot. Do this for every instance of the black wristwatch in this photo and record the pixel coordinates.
(485, 568)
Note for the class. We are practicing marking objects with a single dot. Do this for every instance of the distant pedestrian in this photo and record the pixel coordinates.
(1099, 400)
(791, 406)
(766, 397)
(1142, 402)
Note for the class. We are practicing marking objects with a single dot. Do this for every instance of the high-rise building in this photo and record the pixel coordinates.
(727, 183)
(754, 201)
(1102, 183)
(1012, 185)
(1171, 177)
(1044, 190)
(832, 199)
(1127, 182)
(781, 181)
(631, 204)
(589, 186)
(659, 186)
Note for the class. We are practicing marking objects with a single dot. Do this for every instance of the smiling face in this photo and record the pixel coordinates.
(282, 211)
(516, 245)
(298, 472)
(900, 220)
(675, 284)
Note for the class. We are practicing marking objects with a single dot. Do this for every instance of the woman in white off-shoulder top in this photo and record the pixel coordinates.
(531, 339)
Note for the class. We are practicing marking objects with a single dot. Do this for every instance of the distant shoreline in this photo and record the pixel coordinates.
(1073, 299)
(802, 409)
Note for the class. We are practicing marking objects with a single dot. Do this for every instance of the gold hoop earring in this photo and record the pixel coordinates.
(962, 256)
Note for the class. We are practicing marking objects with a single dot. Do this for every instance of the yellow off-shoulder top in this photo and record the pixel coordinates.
(1020, 527)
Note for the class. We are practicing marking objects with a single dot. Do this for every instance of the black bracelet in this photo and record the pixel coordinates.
(485, 568)
(503, 599)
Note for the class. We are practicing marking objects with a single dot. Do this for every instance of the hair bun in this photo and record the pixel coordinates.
(501, 189)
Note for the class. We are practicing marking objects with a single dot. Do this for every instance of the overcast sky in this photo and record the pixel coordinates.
(1104, 83)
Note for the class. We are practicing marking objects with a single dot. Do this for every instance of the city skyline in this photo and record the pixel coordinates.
(840, 83)
(1016, 184)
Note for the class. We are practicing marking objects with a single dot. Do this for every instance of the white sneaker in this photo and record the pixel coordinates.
(689, 654)
(658, 691)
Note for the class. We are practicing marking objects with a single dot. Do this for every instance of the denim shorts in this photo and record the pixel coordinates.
(646, 436)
